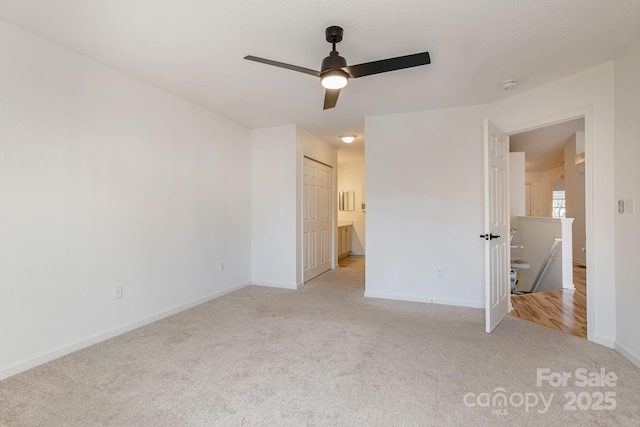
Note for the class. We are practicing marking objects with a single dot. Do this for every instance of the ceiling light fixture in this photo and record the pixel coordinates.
(334, 79)
(347, 139)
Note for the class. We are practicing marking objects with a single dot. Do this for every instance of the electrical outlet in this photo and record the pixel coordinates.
(118, 292)
(440, 273)
(222, 266)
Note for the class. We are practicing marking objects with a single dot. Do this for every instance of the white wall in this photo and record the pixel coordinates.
(538, 234)
(627, 179)
(424, 194)
(108, 181)
(517, 197)
(575, 198)
(273, 206)
(591, 91)
(276, 201)
(308, 145)
(351, 177)
(425, 206)
(541, 191)
(516, 185)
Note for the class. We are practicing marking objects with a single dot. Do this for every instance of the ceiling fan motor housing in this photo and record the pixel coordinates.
(334, 34)
(333, 62)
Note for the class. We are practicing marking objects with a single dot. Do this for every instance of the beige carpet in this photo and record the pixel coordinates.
(322, 355)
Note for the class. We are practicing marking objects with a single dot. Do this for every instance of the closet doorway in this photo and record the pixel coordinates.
(317, 218)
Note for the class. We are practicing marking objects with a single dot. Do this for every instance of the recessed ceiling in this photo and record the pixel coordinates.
(544, 147)
(194, 49)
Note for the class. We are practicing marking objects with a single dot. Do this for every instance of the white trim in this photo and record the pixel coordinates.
(304, 156)
(412, 298)
(628, 353)
(590, 226)
(277, 285)
(299, 216)
(604, 341)
(551, 120)
(546, 219)
(79, 345)
(334, 213)
(587, 113)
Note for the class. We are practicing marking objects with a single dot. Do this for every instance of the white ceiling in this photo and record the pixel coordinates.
(195, 49)
(544, 147)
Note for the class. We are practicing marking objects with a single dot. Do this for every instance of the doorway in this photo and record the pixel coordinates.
(554, 187)
(351, 204)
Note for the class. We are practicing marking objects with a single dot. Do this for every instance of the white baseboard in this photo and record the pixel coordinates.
(605, 341)
(413, 298)
(79, 345)
(631, 355)
(276, 285)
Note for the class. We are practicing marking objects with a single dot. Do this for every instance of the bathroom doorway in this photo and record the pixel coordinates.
(350, 240)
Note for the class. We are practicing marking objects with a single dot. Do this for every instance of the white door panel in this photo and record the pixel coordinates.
(317, 218)
(496, 149)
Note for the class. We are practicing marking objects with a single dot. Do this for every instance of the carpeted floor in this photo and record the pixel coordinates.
(324, 355)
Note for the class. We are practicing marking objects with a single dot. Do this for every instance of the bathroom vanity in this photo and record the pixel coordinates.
(345, 230)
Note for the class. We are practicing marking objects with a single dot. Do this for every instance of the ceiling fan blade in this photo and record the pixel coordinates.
(283, 65)
(330, 98)
(390, 64)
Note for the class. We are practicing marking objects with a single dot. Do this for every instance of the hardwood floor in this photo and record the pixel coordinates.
(352, 261)
(563, 309)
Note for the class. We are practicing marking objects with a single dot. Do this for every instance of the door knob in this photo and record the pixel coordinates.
(489, 236)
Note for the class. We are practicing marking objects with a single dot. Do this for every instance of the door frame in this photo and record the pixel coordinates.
(587, 113)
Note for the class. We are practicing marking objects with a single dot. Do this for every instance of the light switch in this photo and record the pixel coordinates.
(629, 206)
(626, 206)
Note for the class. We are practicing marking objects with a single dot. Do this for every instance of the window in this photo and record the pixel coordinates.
(558, 202)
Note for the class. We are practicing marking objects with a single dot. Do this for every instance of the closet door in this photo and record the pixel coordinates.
(317, 214)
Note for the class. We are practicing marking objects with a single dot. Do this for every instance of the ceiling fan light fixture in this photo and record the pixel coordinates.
(347, 139)
(334, 79)
(335, 73)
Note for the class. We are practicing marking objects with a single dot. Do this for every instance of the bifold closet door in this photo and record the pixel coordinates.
(317, 241)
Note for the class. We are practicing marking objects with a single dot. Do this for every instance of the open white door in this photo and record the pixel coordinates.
(496, 225)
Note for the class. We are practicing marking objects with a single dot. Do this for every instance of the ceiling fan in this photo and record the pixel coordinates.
(334, 72)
